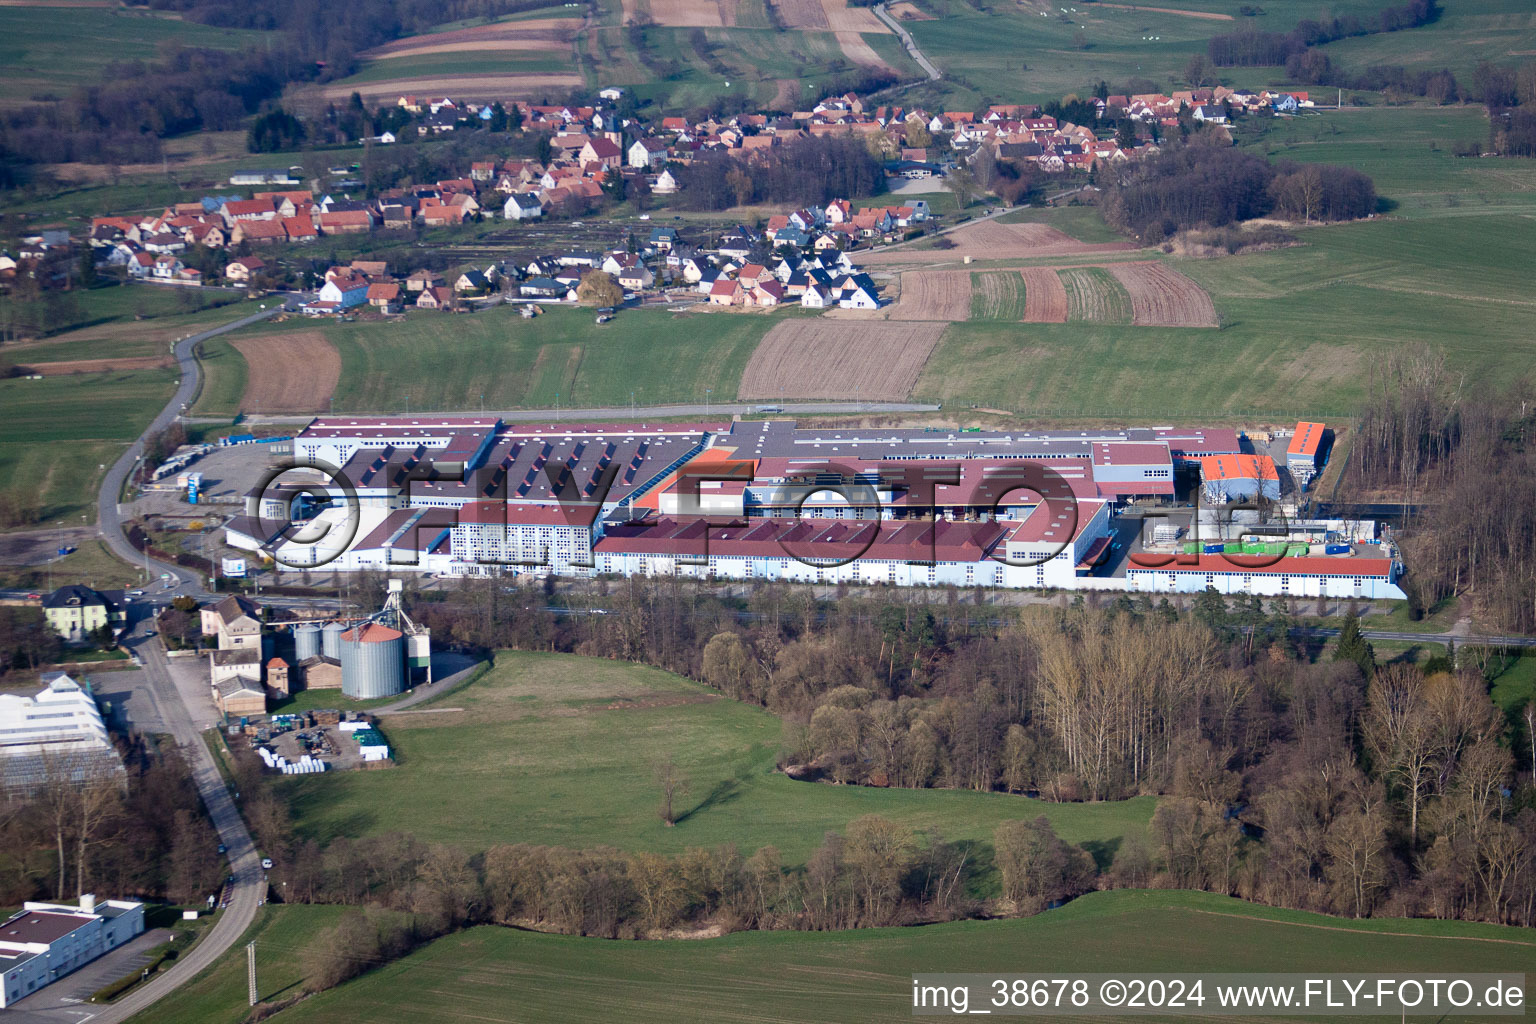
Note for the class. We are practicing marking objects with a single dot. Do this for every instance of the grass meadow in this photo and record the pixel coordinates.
(43, 61)
(495, 974)
(561, 750)
(57, 433)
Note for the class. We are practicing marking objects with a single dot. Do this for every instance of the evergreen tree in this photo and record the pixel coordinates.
(1354, 647)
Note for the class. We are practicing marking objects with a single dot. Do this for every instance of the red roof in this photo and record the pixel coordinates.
(831, 539)
(383, 291)
(247, 207)
(603, 148)
(1307, 439)
(513, 513)
(371, 633)
(1238, 467)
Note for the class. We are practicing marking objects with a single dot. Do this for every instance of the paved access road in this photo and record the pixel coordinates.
(907, 41)
(108, 517)
(250, 881)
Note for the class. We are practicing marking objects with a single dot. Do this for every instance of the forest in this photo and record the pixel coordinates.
(810, 171)
(1203, 184)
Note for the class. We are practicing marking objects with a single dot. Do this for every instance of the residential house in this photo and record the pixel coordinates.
(75, 612)
(422, 280)
(345, 290)
(241, 271)
(436, 297)
(726, 292)
(384, 296)
(235, 621)
(665, 185)
(647, 153)
(471, 281)
(636, 278)
(522, 206)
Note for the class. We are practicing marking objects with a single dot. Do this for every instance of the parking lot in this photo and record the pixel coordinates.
(64, 1001)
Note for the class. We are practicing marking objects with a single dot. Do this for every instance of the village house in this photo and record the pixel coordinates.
(240, 271)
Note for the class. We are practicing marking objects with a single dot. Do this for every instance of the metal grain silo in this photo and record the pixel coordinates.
(306, 641)
(330, 639)
(372, 661)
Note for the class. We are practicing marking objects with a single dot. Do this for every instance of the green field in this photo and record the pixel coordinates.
(43, 61)
(57, 433)
(560, 750)
(498, 360)
(502, 975)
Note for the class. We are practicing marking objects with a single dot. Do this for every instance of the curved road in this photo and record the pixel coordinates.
(908, 42)
(249, 884)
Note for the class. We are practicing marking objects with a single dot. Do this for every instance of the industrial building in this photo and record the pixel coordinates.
(58, 732)
(45, 941)
(1307, 452)
(747, 500)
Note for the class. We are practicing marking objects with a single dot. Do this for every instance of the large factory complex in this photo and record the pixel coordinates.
(1137, 509)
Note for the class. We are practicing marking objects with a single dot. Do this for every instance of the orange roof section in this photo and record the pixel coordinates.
(711, 463)
(1238, 467)
(1309, 436)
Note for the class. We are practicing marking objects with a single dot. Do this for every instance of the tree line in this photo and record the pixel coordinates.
(1251, 48)
(182, 89)
(810, 171)
(1218, 709)
(61, 836)
(1202, 184)
(1465, 461)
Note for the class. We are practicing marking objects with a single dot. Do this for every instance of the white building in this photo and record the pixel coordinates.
(45, 941)
(60, 731)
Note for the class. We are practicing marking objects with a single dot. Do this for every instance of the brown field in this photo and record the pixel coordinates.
(934, 295)
(905, 11)
(681, 13)
(289, 372)
(1163, 297)
(68, 366)
(1093, 296)
(874, 361)
(535, 34)
(509, 86)
(992, 240)
(843, 18)
(1209, 15)
(1045, 298)
(857, 50)
(802, 14)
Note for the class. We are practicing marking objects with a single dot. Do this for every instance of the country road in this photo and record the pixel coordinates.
(907, 41)
(640, 413)
(250, 883)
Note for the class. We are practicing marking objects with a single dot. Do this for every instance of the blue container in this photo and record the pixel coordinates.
(1215, 549)
(1337, 549)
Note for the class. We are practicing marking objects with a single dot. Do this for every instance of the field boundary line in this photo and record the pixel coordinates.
(1365, 931)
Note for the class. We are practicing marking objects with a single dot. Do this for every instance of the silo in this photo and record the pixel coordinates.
(372, 661)
(418, 651)
(306, 641)
(330, 639)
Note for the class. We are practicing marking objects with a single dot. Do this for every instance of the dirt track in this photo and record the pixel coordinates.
(1045, 299)
(876, 361)
(289, 372)
(69, 366)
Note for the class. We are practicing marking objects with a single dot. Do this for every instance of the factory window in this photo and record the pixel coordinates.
(1210, 580)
